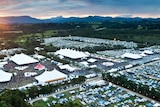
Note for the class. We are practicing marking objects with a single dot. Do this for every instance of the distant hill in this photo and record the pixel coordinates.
(60, 19)
(19, 19)
(88, 19)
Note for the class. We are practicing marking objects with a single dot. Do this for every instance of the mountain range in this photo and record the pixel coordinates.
(60, 19)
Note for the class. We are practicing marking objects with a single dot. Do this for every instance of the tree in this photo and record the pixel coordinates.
(5, 104)
(13, 98)
(33, 91)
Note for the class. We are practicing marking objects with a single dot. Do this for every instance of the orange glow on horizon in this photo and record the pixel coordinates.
(4, 27)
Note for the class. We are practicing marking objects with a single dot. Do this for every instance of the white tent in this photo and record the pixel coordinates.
(2, 64)
(90, 75)
(131, 56)
(73, 54)
(5, 76)
(29, 74)
(107, 63)
(156, 105)
(39, 67)
(39, 57)
(148, 52)
(50, 76)
(142, 54)
(91, 60)
(84, 63)
(98, 83)
(93, 66)
(22, 59)
(67, 67)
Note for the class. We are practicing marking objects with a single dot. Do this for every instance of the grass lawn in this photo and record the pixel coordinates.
(40, 103)
(67, 94)
(50, 33)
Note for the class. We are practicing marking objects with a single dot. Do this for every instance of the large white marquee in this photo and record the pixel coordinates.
(22, 59)
(73, 54)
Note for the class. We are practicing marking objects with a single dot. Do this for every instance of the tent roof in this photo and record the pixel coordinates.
(38, 56)
(91, 60)
(21, 59)
(5, 76)
(50, 76)
(67, 67)
(131, 56)
(148, 52)
(39, 66)
(2, 64)
(85, 63)
(73, 54)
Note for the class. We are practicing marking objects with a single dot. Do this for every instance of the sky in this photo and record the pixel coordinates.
(80, 8)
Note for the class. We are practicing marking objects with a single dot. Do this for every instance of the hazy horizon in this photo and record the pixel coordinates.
(122, 16)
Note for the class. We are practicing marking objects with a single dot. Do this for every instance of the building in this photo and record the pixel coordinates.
(131, 56)
(5, 76)
(50, 76)
(72, 54)
(23, 59)
(39, 67)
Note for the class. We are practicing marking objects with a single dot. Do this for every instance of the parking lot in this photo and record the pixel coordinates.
(91, 95)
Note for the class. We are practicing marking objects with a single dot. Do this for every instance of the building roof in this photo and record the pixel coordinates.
(67, 67)
(73, 54)
(49, 76)
(5, 76)
(2, 64)
(29, 74)
(142, 54)
(22, 59)
(93, 66)
(108, 63)
(91, 60)
(99, 83)
(131, 56)
(148, 52)
(112, 70)
(39, 56)
(39, 66)
(85, 63)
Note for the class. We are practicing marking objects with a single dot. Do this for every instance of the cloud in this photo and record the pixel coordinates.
(62, 1)
(50, 8)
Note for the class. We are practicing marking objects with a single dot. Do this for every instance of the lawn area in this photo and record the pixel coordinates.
(40, 103)
(16, 31)
(50, 33)
(67, 93)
